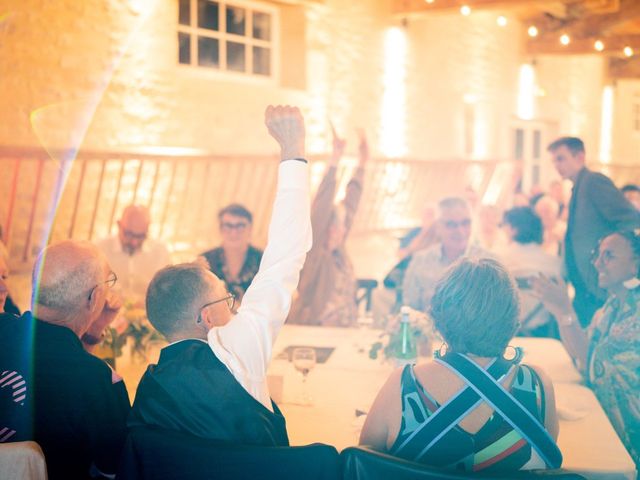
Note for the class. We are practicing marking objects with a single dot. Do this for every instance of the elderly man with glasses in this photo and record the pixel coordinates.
(453, 228)
(211, 381)
(134, 257)
(52, 390)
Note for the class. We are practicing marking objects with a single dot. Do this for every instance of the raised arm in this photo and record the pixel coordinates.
(354, 188)
(322, 208)
(246, 341)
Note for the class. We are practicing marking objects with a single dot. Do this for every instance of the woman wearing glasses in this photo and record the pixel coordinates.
(608, 351)
(236, 261)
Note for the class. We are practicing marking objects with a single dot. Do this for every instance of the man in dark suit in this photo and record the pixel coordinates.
(52, 390)
(596, 209)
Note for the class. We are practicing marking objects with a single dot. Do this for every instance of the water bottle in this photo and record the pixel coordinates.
(407, 343)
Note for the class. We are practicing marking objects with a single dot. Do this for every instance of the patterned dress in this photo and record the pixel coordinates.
(496, 447)
(614, 366)
(237, 286)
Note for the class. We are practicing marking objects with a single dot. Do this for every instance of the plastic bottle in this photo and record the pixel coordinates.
(407, 343)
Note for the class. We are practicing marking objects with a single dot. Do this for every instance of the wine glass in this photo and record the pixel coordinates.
(304, 359)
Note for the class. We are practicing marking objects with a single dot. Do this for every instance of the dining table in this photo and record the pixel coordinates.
(330, 406)
(343, 385)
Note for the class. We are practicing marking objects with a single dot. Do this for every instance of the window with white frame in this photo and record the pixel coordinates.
(228, 36)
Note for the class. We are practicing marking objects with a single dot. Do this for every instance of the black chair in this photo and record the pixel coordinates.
(161, 454)
(362, 463)
(368, 285)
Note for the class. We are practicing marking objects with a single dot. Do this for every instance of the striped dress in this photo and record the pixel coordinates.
(496, 447)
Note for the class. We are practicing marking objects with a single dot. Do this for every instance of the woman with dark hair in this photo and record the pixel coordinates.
(608, 351)
(236, 261)
(464, 411)
(524, 257)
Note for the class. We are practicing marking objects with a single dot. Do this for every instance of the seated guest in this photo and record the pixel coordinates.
(524, 258)
(68, 401)
(327, 290)
(430, 414)
(211, 381)
(608, 351)
(133, 256)
(554, 228)
(235, 262)
(427, 266)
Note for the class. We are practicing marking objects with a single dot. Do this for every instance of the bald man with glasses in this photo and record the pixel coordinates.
(134, 257)
(53, 391)
(211, 380)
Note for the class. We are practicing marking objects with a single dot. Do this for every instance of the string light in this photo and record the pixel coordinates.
(502, 21)
(628, 51)
(429, 1)
(599, 46)
(565, 39)
(533, 31)
(465, 10)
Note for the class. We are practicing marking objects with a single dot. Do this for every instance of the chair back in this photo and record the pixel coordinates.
(23, 460)
(362, 463)
(161, 454)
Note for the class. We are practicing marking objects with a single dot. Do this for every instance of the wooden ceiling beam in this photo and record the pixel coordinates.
(579, 46)
(590, 25)
(624, 68)
(409, 7)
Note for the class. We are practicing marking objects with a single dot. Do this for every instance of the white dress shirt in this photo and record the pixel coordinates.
(245, 344)
(135, 271)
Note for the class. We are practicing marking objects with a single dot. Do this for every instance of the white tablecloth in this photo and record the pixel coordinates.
(350, 380)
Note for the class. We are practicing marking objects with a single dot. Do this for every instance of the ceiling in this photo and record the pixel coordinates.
(614, 23)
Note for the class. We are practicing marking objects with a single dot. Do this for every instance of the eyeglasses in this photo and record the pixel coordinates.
(452, 224)
(233, 226)
(109, 282)
(230, 299)
(134, 235)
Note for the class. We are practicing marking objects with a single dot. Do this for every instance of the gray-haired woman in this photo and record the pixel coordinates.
(466, 409)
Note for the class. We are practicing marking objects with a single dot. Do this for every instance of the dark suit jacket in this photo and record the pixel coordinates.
(597, 208)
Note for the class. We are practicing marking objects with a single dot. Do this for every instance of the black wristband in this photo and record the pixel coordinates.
(299, 159)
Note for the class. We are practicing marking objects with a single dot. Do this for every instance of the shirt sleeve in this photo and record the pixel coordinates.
(245, 344)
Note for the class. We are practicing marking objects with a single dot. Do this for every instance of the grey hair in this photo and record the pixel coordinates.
(174, 297)
(68, 291)
(451, 202)
(475, 307)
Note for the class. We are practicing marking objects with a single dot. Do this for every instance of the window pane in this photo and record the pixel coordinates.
(184, 48)
(537, 140)
(261, 61)
(208, 15)
(261, 26)
(208, 52)
(235, 20)
(235, 57)
(184, 12)
(519, 144)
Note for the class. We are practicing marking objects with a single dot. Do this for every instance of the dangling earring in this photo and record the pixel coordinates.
(442, 351)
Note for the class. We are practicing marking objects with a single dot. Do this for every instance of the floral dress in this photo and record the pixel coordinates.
(614, 366)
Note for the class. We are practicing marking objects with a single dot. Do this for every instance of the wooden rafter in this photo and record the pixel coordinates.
(409, 7)
(624, 68)
(577, 46)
